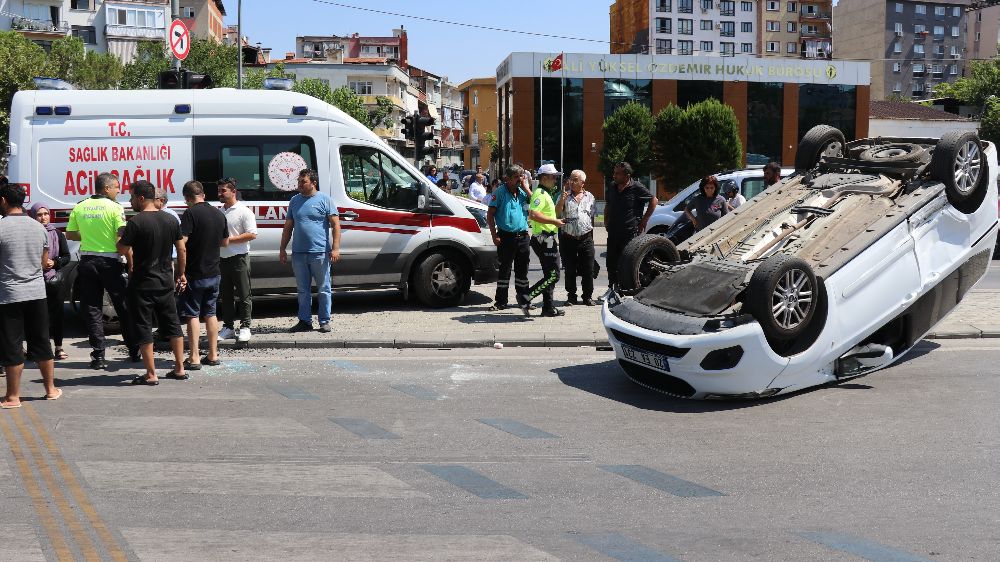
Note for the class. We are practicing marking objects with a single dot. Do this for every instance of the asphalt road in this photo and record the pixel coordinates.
(503, 455)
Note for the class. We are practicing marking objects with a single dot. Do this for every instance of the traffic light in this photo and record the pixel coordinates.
(194, 81)
(169, 80)
(421, 135)
(408, 127)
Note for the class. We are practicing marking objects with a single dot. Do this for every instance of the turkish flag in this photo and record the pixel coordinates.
(557, 63)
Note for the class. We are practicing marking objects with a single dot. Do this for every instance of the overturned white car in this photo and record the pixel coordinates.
(835, 272)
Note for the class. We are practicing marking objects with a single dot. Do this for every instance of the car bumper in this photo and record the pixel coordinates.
(735, 362)
(485, 266)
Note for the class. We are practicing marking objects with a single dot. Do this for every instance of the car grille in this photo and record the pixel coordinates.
(656, 380)
(668, 350)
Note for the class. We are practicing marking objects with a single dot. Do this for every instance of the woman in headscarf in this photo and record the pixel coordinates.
(58, 258)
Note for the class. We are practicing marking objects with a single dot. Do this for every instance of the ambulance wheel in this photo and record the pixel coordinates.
(441, 280)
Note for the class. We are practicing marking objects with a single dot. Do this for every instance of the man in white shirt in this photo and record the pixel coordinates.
(234, 291)
(733, 196)
(476, 189)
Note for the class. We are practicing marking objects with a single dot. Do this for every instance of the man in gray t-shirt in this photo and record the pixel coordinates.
(23, 310)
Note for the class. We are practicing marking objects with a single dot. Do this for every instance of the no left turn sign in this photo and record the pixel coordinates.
(180, 39)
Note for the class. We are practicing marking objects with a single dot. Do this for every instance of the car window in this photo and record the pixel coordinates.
(752, 186)
(373, 177)
(247, 159)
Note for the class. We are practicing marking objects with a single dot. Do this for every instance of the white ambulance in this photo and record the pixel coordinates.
(397, 228)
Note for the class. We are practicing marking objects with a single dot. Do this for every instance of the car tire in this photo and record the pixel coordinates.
(894, 152)
(959, 163)
(820, 141)
(441, 280)
(634, 269)
(778, 288)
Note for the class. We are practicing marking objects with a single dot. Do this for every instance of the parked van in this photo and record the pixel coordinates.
(397, 229)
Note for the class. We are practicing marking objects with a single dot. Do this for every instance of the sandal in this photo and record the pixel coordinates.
(210, 363)
(60, 354)
(142, 380)
(188, 365)
(497, 307)
(178, 376)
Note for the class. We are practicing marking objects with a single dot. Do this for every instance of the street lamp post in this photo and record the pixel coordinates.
(239, 44)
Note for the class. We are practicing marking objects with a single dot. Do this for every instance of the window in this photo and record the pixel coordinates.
(898, 27)
(746, 27)
(372, 176)
(773, 25)
(685, 6)
(727, 29)
(475, 126)
(897, 47)
(475, 97)
(727, 49)
(663, 5)
(746, 6)
(772, 6)
(685, 27)
(896, 67)
(918, 49)
(938, 31)
(954, 50)
(920, 9)
(939, 11)
(664, 25)
(136, 18)
(898, 87)
(791, 48)
(706, 5)
(899, 7)
(937, 71)
(706, 25)
(790, 27)
(954, 31)
(685, 47)
(187, 12)
(792, 7)
(728, 7)
(746, 47)
(918, 89)
(80, 5)
(247, 159)
(919, 28)
(772, 46)
(706, 47)
(957, 12)
(87, 33)
(979, 36)
(953, 69)
(361, 88)
(664, 46)
(939, 51)
(918, 70)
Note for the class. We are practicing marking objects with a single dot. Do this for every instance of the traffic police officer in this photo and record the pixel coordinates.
(544, 238)
(509, 228)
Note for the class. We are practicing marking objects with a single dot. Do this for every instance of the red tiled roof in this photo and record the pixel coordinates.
(365, 60)
(907, 110)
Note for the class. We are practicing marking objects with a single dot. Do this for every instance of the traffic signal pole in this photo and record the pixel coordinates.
(175, 13)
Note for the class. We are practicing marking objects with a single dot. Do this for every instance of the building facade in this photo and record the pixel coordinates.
(479, 102)
(684, 27)
(354, 48)
(982, 32)
(558, 115)
(913, 45)
(204, 18)
(796, 29)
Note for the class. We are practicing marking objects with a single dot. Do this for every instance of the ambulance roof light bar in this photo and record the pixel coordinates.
(46, 83)
(278, 84)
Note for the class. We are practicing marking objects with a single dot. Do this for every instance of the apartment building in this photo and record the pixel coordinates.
(982, 32)
(479, 97)
(684, 27)
(115, 26)
(354, 48)
(204, 18)
(794, 29)
(913, 45)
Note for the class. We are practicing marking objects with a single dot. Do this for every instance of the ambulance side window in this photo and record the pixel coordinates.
(248, 160)
(373, 177)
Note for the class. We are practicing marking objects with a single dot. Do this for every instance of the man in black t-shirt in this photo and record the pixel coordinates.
(147, 242)
(204, 230)
(623, 215)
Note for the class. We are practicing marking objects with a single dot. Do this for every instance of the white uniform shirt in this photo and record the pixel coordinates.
(240, 220)
(477, 191)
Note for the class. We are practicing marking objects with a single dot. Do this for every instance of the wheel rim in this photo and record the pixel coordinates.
(834, 148)
(444, 279)
(967, 167)
(792, 299)
(889, 152)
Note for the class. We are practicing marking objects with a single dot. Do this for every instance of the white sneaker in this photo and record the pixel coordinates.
(244, 335)
(227, 334)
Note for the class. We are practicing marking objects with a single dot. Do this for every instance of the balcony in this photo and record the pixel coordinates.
(113, 31)
(815, 17)
(38, 27)
(814, 34)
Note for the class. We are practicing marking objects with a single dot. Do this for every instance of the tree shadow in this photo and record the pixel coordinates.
(607, 380)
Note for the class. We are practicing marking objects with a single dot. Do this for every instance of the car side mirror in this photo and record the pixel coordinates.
(423, 197)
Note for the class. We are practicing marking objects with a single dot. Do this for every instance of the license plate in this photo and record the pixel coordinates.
(654, 360)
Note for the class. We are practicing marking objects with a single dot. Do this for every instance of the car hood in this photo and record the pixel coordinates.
(701, 288)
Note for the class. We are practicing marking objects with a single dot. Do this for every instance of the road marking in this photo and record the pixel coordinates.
(292, 392)
(364, 428)
(52, 530)
(48, 478)
(860, 547)
(620, 547)
(665, 482)
(473, 482)
(110, 543)
(241, 429)
(418, 391)
(517, 428)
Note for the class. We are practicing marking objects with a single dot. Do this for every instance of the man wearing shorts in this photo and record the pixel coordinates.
(147, 243)
(23, 306)
(204, 230)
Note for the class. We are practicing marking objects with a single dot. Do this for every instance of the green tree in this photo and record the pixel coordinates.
(491, 140)
(350, 103)
(22, 61)
(150, 60)
(69, 60)
(627, 135)
(983, 81)
(381, 115)
(694, 142)
(668, 127)
(989, 125)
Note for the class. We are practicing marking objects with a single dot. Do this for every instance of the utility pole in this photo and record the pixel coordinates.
(239, 43)
(175, 13)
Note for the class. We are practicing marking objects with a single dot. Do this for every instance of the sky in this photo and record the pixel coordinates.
(455, 51)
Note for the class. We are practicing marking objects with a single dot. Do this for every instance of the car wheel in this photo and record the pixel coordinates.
(783, 296)
(441, 280)
(643, 259)
(959, 163)
(821, 141)
(895, 152)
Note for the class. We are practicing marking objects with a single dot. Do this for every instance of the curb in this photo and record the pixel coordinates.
(265, 343)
